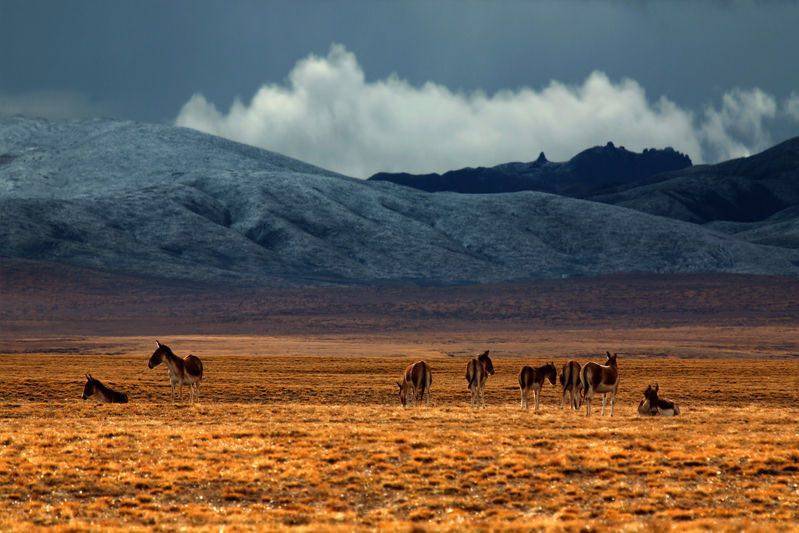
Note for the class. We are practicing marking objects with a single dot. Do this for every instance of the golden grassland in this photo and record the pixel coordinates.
(307, 432)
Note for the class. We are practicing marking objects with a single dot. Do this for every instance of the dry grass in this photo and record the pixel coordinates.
(288, 435)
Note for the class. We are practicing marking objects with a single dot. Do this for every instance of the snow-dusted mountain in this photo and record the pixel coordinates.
(169, 202)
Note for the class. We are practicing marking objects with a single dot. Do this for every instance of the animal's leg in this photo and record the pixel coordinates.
(588, 396)
(612, 401)
(604, 398)
(173, 392)
(563, 399)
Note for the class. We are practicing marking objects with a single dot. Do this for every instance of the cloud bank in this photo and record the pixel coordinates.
(328, 114)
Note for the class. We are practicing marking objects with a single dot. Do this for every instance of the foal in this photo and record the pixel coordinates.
(415, 385)
(603, 379)
(657, 405)
(105, 394)
(477, 372)
(182, 371)
(570, 382)
(532, 379)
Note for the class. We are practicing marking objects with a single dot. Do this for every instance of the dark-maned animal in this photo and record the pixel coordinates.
(645, 408)
(570, 382)
(186, 371)
(532, 379)
(603, 379)
(477, 372)
(415, 384)
(660, 406)
(94, 387)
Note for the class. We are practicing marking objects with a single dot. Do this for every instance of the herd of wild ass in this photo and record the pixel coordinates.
(579, 383)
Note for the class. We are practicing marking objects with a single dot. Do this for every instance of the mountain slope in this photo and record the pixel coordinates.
(748, 189)
(169, 202)
(589, 172)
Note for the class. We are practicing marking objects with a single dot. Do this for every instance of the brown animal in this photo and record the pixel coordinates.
(182, 371)
(415, 385)
(570, 382)
(477, 372)
(94, 387)
(532, 379)
(658, 406)
(603, 379)
(644, 407)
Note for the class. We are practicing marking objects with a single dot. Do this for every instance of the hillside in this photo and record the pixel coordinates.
(165, 202)
(590, 172)
(748, 189)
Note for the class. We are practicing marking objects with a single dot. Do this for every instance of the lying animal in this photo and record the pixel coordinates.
(653, 405)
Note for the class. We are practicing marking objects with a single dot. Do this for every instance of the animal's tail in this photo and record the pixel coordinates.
(471, 373)
(563, 377)
(583, 381)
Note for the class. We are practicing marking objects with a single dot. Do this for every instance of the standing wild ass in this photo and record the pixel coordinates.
(94, 387)
(532, 379)
(182, 371)
(477, 372)
(652, 405)
(570, 382)
(603, 379)
(415, 385)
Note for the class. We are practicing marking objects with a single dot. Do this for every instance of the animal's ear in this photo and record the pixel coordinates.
(607, 354)
(157, 344)
(88, 377)
(657, 387)
(485, 352)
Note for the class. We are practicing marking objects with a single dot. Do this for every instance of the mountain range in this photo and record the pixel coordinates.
(588, 173)
(165, 202)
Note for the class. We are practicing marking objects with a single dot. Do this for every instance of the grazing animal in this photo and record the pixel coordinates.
(477, 372)
(94, 387)
(415, 385)
(532, 379)
(570, 381)
(186, 371)
(603, 379)
(660, 406)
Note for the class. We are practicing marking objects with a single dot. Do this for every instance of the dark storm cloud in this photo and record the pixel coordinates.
(145, 60)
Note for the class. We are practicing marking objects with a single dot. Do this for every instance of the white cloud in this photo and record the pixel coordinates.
(792, 106)
(329, 115)
(738, 128)
(49, 104)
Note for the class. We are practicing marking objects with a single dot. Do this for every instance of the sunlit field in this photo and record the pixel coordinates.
(308, 432)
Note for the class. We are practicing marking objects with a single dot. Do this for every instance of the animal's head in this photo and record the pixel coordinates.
(551, 372)
(158, 355)
(611, 359)
(651, 393)
(485, 360)
(88, 389)
(403, 394)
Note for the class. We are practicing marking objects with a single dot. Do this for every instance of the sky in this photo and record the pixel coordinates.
(365, 86)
